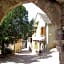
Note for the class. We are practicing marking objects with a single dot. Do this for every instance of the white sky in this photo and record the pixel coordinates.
(32, 10)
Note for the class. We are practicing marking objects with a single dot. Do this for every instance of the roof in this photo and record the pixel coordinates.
(45, 18)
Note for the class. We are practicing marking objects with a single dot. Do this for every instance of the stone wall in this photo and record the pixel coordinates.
(61, 53)
(52, 9)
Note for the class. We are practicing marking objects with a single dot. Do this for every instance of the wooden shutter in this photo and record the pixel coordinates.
(42, 31)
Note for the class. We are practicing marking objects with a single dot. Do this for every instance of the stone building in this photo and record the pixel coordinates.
(53, 8)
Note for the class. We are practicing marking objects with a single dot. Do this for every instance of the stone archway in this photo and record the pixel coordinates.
(51, 8)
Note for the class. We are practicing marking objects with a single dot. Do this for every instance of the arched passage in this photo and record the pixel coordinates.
(52, 9)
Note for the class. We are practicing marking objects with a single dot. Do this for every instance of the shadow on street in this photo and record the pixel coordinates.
(25, 57)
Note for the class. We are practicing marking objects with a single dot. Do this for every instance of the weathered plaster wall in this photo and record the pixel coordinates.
(51, 36)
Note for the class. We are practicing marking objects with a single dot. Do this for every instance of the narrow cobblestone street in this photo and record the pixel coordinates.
(26, 57)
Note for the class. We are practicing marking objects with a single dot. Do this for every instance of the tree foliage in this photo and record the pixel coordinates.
(15, 25)
(31, 27)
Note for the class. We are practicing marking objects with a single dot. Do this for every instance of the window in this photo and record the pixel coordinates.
(42, 31)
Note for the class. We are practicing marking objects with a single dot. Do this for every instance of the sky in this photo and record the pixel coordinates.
(32, 10)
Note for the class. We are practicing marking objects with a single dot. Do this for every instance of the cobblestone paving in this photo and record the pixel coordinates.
(26, 57)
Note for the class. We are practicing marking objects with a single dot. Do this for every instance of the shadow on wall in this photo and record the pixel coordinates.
(51, 45)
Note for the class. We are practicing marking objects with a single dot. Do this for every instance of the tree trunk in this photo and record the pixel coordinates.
(3, 51)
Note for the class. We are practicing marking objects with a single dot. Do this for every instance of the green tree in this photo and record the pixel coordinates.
(31, 28)
(14, 26)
